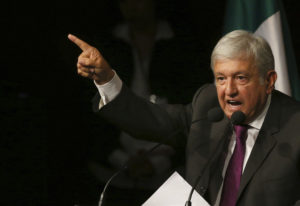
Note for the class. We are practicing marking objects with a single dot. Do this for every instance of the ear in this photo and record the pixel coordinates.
(270, 81)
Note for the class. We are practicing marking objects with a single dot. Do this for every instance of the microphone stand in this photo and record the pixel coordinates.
(208, 163)
(108, 182)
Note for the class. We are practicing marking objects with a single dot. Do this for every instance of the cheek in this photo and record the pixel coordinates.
(220, 91)
(251, 99)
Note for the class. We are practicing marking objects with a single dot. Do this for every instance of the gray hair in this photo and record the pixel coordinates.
(240, 44)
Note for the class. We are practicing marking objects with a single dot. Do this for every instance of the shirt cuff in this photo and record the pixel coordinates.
(109, 90)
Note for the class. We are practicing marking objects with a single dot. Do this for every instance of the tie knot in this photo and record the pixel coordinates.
(240, 131)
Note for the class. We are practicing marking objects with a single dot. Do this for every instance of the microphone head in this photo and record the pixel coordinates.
(215, 114)
(237, 118)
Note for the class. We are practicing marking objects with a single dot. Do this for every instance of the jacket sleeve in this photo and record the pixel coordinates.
(145, 120)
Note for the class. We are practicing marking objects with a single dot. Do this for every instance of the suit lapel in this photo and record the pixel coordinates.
(264, 144)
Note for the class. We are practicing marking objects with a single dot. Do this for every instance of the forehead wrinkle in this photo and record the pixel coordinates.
(244, 71)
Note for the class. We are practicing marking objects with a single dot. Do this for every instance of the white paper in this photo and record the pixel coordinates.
(174, 192)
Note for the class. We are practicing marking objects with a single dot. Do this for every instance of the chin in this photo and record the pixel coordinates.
(228, 114)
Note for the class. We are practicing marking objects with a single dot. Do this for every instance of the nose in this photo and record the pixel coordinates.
(231, 89)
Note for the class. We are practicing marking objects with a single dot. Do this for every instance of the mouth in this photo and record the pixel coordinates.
(233, 102)
(233, 105)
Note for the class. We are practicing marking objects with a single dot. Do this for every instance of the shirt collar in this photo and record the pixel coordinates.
(257, 123)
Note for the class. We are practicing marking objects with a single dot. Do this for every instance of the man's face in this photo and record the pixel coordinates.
(240, 87)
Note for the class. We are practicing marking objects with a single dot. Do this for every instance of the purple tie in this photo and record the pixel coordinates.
(235, 167)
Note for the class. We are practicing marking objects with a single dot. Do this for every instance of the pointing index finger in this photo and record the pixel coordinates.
(81, 44)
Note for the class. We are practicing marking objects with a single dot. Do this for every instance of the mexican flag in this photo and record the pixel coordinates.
(267, 19)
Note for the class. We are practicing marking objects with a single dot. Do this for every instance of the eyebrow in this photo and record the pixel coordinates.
(236, 73)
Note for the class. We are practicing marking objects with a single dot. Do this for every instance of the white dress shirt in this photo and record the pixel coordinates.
(109, 90)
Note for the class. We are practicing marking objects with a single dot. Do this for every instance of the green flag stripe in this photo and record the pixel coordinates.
(240, 14)
(291, 60)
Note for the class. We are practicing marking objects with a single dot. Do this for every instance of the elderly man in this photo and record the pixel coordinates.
(256, 162)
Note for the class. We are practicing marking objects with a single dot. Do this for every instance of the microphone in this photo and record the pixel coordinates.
(237, 118)
(127, 165)
(214, 115)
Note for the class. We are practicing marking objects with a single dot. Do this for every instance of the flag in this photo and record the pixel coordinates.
(267, 19)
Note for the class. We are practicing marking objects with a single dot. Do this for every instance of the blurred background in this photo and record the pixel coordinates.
(49, 136)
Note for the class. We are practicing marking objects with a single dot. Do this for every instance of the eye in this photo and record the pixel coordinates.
(242, 78)
(220, 79)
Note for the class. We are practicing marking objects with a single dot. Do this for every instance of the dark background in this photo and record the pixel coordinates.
(44, 102)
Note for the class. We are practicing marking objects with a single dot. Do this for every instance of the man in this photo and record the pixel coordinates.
(268, 161)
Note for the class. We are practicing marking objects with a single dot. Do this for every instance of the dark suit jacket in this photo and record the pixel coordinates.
(272, 173)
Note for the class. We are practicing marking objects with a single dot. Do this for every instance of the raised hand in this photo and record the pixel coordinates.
(91, 63)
